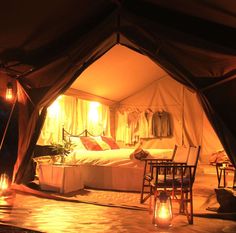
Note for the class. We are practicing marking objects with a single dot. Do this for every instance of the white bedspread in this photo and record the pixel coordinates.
(114, 158)
(109, 169)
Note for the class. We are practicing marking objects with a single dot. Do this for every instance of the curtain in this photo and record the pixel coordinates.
(75, 115)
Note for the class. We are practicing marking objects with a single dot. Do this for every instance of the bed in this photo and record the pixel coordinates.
(112, 169)
(108, 167)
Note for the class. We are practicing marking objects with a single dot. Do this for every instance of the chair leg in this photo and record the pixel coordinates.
(144, 184)
(191, 206)
(150, 205)
(181, 202)
(142, 191)
(154, 208)
(188, 206)
(144, 196)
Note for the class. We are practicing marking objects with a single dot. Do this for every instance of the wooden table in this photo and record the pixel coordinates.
(60, 178)
(222, 170)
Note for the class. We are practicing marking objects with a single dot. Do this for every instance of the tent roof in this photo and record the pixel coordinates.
(211, 10)
(33, 33)
(118, 74)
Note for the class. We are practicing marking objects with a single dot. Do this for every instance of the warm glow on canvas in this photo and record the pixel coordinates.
(54, 108)
(94, 112)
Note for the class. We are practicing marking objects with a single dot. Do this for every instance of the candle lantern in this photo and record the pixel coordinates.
(163, 210)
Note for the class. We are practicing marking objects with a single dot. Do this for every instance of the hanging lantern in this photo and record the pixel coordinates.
(9, 91)
(163, 210)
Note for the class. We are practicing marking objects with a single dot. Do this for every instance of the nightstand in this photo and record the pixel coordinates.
(60, 178)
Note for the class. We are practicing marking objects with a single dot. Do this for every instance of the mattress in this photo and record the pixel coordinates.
(113, 158)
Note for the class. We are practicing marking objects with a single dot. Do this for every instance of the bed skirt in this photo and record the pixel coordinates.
(112, 178)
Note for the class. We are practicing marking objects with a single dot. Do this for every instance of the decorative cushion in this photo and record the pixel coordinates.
(101, 143)
(111, 142)
(77, 143)
(90, 143)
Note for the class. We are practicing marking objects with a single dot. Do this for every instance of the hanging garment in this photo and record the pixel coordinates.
(133, 123)
(121, 130)
(143, 126)
(161, 124)
(149, 114)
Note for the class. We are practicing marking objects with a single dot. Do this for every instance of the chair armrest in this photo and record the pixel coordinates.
(172, 165)
(155, 159)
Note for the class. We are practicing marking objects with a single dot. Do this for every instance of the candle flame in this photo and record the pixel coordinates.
(163, 212)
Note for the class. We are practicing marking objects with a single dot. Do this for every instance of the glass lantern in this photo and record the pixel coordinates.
(163, 211)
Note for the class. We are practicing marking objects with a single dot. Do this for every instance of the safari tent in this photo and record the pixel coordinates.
(46, 46)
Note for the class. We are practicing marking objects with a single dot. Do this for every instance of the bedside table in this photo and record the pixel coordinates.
(60, 178)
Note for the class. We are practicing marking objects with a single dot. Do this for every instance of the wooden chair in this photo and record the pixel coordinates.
(177, 180)
(180, 155)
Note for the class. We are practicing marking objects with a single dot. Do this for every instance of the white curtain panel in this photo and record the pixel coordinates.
(75, 115)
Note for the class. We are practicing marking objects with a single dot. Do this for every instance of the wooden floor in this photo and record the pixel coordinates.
(45, 215)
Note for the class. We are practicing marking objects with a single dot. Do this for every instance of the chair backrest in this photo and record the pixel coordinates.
(193, 157)
(181, 154)
(173, 154)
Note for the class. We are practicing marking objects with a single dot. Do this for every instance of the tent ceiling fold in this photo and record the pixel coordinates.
(121, 72)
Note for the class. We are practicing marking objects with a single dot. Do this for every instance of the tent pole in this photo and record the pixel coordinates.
(8, 122)
(183, 118)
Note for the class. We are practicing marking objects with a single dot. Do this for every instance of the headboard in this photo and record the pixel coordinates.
(91, 143)
(85, 133)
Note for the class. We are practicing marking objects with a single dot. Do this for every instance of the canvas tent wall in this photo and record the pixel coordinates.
(189, 123)
(51, 49)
